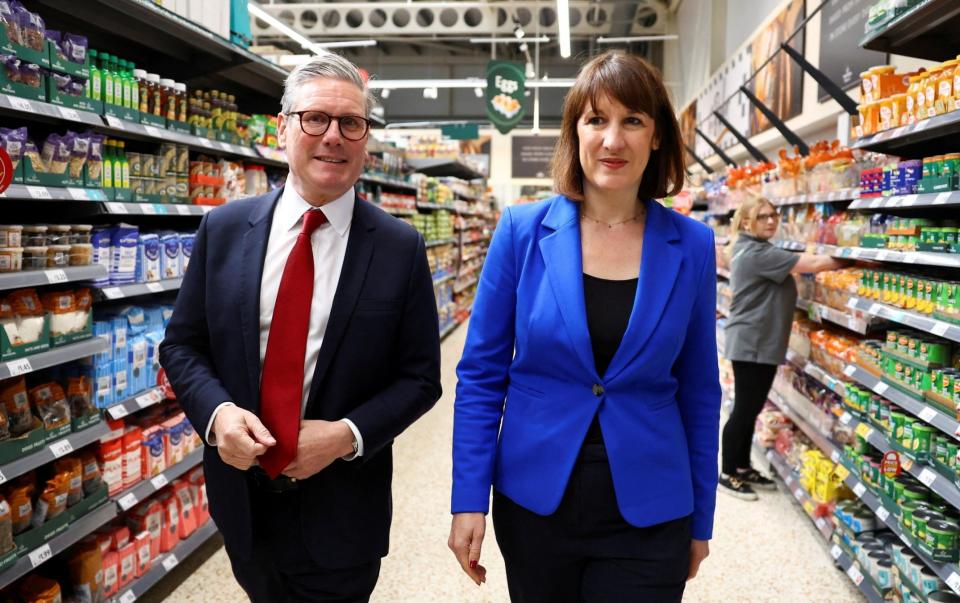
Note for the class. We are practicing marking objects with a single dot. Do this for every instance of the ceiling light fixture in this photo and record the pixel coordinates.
(657, 38)
(346, 43)
(430, 93)
(285, 29)
(478, 91)
(461, 83)
(508, 40)
(563, 27)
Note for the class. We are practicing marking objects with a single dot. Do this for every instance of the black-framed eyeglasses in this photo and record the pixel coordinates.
(316, 123)
(771, 216)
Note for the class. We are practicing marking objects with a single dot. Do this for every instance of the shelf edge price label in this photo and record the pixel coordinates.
(882, 513)
(68, 113)
(835, 552)
(205, 143)
(40, 555)
(835, 457)
(39, 192)
(880, 388)
(56, 276)
(953, 581)
(183, 210)
(159, 481)
(855, 575)
(19, 367)
(20, 103)
(855, 252)
(148, 209)
(3, 478)
(859, 489)
(155, 287)
(78, 194)
(882, 255)
(113, 122)
(128, 597)
(941, 198)
(927, 414)
(170, 562)
(864, 431)
(845, 418)
(116, 208)
(61, 448)
(849, 370)
(820, 523)
(940, 328)
(145, 400)
(909, 201)
(798, 493)
(118, 411)
(112, 292)
(927, 477)
(152, 131)
(127, 501)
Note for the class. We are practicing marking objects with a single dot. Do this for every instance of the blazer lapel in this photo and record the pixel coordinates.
(564, 262)
(254, 253)
(659, 267)
(352, 275)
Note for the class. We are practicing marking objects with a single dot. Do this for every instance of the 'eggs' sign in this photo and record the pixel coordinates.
(505, 94)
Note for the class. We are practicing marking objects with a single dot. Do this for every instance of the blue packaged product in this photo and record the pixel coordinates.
(121, 388)
(153, 317)
(119, 337)
(186, 250)
(136, 319)
(102, 374)
(148, 258)
(170, 255)
(167, 315)
(104, 328)
(137, 364)
(154, 338)
(123, 243)
(102, 253)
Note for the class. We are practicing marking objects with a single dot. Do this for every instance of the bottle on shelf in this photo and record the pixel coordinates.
(124, 165)
(181, 101)
(125, 93)
(94, 83)
(156, 96)
(169, 97)
(106, 76)
(134, 98)
(117, 80)
(143, 94)
(107, 170)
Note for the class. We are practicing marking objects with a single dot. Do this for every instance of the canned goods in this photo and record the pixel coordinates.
(898, 420)
(907, 440)
(941, 538)
(942, 596)
(921, 517)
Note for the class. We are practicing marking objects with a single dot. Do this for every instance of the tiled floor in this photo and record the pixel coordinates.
(762, 551)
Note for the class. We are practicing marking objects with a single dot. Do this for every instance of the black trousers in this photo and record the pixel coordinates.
(281, 569)
(751, 384)
(586, 551)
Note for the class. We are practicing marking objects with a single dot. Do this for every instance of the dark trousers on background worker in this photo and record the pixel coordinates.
(751, 384)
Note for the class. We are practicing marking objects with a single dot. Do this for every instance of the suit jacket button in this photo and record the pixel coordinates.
(597, 390)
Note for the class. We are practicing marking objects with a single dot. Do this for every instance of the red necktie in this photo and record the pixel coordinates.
(281, 385)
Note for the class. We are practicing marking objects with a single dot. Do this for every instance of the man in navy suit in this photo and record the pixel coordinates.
(304, 340)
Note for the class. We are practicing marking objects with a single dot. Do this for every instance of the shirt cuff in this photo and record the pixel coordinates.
(209, 437)
(357, 437)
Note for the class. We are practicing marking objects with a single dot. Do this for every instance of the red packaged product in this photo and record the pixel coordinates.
(110, 456)
(119, 538)
(111, 574)
(171, 521)
(148, 517)
(200, 506)
(132, 465)
(142, 543)
(128, 564)
(104, 542)
(188, 519)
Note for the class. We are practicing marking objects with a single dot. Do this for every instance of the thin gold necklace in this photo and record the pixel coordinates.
(583, 215)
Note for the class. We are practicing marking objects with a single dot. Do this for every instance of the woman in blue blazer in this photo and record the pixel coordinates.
(588, 393)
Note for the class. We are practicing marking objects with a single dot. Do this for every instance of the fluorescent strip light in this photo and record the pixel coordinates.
(507, 40)
(345, 44)
(658, 38)
(375, 84)
(291, 33)
(563, 27)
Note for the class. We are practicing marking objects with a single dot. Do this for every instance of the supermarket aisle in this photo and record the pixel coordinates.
(763, 551)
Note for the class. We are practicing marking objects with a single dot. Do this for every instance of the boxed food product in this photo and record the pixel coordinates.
(132, 464)
(111, 573)
(111, 461)
(142, 542)
(148, 517)
(188, 518)
(128, 563)
(171, 520)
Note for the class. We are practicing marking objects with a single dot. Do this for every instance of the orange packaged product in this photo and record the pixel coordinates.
(84, 299)
(72, 466)
(6, 528)
(930, 93)
(59, 302)
(50, 404)
(16, 402)
(148, 517)
(53, 500)
(80, 397)
(26, 302)
(92, 479)
(21, 508)
(111, 464)
(141, 544)
(944, 99)
(886, 114)
(38, 589)
(169, 537)
(111, 574)
(899, 104)
(85, 567)
(127, 557)
(188, 518)
(132, 464)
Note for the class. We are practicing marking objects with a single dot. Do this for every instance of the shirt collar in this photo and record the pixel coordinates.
(292, 206)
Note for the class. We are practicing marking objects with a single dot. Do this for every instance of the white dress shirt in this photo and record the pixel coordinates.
(329, 243)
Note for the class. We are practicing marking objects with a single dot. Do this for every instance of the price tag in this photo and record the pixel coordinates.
(157, 395)
(127, 501)
(881, 388)
(875, 309)
(206, 208)
(881, 256)
(927, 477)
(852, 303)
(941, 199)
(154, 287)
(117, 208)
(820, 523)
(798, 493)
(128, 597)
(19, 367)
(68, 113)
(927, 414)
(882, 513)
(225, 147)
(118, 411)
(77, 194)
(153, 131)
(20, 103)
(55, 276)
(145, 400)
(789, 481)
(909, 258)
(183, 210)
(112, 293)
(40, 555)
(113, 122)
(855, 252)
(835, 457)
(38, 192)
(864, 431)
(859, 489)
(875, 203)
(205, 143)
(835, 552)
(909, 201)
(921, 125)
(940, 328)
(61, 448)
(845, 418)
(170, 562)
(148, 209)
(159, 481)
(953, 581)
(3, 478)
(855, 575)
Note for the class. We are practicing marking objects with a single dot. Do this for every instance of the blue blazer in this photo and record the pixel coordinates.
(528, 372)
(379, 366)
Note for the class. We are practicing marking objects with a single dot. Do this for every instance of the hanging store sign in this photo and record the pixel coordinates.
(505, 94)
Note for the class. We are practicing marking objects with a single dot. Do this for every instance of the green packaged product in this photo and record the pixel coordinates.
(922, 434)
(897, 421)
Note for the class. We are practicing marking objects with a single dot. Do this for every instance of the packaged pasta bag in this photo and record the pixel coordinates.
(94, 156)
(6, 527)
(80, 397)
(13, 141)
(56, 153)
(8, 20)
(38, 589)
(21, 508)
(16, 403)
(85, 566)
(31, 151)
(53, 499)
(31, 74)
(92, 478)
(73, 467)
(50, 405)
(32, 30)
(79, 146)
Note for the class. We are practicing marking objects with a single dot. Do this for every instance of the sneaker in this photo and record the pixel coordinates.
(756, 480)
(736, 488)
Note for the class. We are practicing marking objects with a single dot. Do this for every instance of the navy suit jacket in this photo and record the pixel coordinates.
(379, 366)
(528, 387)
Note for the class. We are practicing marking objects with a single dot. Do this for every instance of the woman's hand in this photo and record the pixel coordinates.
(466, 538)
(699, 550)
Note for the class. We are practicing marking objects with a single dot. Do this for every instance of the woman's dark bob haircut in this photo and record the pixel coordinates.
(637, 85)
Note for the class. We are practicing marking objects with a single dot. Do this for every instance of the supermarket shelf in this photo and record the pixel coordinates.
(398, 211)
(820, 439)
(824, 526)
(443, 279)
(922, 258)
(162, 566)
(444, 167)
(949, 199)
(53, 357)
(723, 272)
(945, 423)
(156, 209)
(22, 106)
(791, 245)
(74, 533)
(441, 242)
(52, 193)
(125, 128)
(448, 329)
(130, 497)
(53, 451)
(125, 291)
(466, 285)
(927, 31)
(905, 317)
(845, 194)
(36, 278)
(906, 140)
(442, 206)
(272, 156)
(816, 372)
(397, 184)
(822, 312)
(141, 400)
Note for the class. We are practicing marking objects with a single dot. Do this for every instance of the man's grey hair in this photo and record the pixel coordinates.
(327, 65)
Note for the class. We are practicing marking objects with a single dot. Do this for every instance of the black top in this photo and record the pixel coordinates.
(608, 304)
